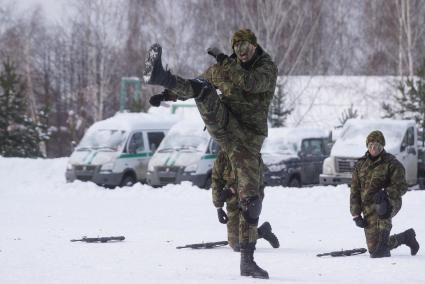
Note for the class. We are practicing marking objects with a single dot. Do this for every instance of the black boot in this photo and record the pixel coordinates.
(382, 249)
(154, 73)
(408, 238)
(248, 265)
(265, 232)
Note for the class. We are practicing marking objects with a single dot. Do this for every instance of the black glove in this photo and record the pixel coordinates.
(156, 100)
(360, 222)
(225, 194)
(382, 205)
(217, 54)
(222, 216)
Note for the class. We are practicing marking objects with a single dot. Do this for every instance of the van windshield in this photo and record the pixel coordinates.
(183, 142)
(103, 138)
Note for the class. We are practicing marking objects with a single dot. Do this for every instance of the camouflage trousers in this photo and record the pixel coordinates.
(240, 144)
(374, 228)
(236, 225)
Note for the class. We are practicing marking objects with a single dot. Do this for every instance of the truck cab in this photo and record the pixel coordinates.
(294, 156)
(401, 141)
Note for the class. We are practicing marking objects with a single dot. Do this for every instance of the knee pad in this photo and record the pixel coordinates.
(251, 209)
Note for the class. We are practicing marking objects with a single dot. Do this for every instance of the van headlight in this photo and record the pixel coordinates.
(107, 168)
(151, 168)
(69, 166)
(191, 168)
(328, 166)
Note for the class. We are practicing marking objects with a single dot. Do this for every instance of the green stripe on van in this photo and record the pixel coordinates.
(209, 157)
(138, 155)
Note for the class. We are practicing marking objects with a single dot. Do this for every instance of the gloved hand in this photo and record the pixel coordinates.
(217, 54)
(222, 216)
(382, 205)
(225, 194)
(156, 100)
(360, 222)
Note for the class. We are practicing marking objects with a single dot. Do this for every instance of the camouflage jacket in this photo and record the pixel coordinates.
(222, 176)
(247, 88)
(371, 176)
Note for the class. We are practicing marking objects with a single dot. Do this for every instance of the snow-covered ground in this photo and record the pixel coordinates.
(40, 213)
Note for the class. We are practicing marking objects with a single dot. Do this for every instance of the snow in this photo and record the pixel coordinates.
(40, 213)
(319, 101)
(131, 121)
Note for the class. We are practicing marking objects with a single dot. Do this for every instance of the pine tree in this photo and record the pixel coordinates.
(411, 101)
(19, 135)
(278, 112)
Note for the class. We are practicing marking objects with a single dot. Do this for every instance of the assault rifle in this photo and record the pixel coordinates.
(205, 245)
(99, 239)
(344, 252)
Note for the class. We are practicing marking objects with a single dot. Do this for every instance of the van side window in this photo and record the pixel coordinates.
(136, 144)
(410, 136)
(154, 139)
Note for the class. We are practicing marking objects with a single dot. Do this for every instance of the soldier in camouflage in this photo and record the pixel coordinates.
(378, 183)
(236, 119)
(223, 191)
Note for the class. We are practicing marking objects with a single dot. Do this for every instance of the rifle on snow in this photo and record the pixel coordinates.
(205, 245)
(100, 239)
(349, 252)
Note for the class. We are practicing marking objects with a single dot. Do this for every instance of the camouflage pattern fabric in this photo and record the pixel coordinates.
(243, 35)
(375, 136)
(247, 91)
(237, 120)
(238, 230)
(370, 175)
(374, 227)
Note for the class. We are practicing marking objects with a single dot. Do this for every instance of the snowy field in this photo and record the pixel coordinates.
(40, 213)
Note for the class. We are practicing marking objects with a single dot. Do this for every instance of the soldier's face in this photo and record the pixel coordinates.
(244, 50)
(374, 148)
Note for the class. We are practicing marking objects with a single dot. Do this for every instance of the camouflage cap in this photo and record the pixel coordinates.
(244, 34)
(376, 136)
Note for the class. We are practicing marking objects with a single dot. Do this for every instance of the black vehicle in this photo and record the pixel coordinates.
(294, 157)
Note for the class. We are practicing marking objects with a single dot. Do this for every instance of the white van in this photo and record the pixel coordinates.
(400, 140)
(116, 151)
(178, 154)
(202, 176)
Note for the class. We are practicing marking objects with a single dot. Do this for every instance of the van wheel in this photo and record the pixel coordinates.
(128, 180)
(208, 183)
(294, 182)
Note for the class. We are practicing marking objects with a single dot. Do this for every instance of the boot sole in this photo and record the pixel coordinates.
(153, 54)
(255, 276)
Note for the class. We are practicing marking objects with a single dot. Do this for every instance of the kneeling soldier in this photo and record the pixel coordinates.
(378, 183)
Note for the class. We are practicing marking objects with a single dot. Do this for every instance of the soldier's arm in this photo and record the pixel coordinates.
(257, 80)
(355, 198)
(217, 180)
(397, 187)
